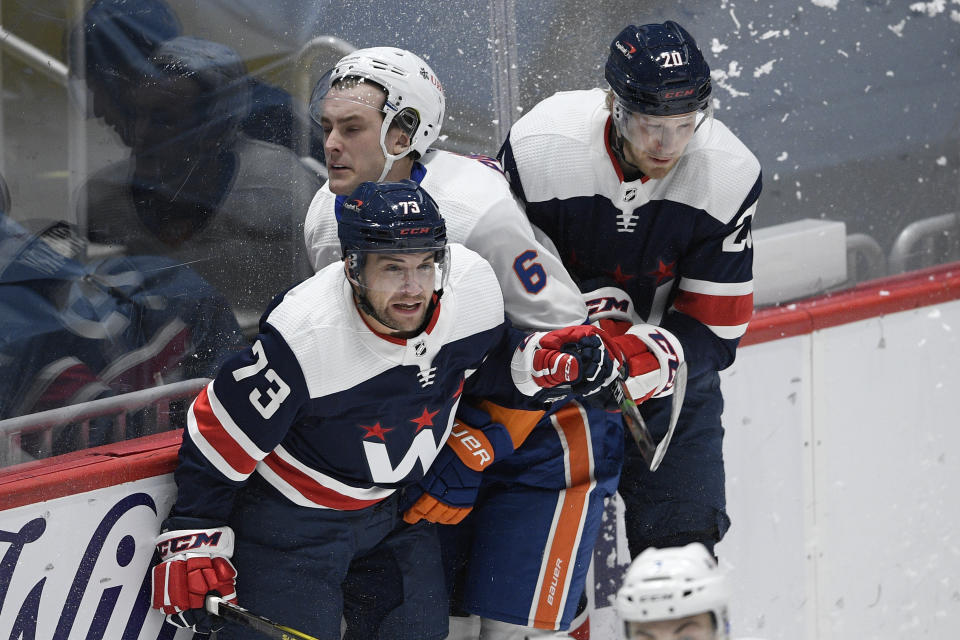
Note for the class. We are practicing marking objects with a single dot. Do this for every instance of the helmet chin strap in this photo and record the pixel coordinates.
(389, 158)
(387, 165)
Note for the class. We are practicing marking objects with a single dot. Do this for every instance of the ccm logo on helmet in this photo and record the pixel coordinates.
(683, 93)
(414, 231)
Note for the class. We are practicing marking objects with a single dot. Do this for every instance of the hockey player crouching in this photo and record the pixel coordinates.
(295, 456)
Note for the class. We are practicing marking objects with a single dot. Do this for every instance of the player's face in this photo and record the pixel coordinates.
(352, 119)
(398, 287)
(654, 144)
(698, 627)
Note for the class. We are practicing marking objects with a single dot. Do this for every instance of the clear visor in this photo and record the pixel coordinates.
(414, 272)
(664, 137)
(352, 90)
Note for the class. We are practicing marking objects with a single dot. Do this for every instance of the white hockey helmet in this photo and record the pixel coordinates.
(674, 582)
(414, 101)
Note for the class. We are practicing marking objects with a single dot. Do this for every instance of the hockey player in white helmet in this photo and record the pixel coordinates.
(402, 108)
(674, 593)
(380, 110)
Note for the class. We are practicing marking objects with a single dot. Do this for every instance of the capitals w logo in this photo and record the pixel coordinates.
(423, 448)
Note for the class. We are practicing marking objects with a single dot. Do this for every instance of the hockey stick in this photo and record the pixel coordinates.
(269, 629)
(653, 453)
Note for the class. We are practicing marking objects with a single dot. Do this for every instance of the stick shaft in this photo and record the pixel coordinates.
(264, 626)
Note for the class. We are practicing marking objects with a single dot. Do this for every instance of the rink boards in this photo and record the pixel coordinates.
(842, 465)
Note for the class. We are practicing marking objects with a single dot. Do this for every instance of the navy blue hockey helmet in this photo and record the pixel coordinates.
(657, 69)
(390, 217)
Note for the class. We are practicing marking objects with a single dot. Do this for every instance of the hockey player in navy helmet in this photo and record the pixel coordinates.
(649, 201)
(659, 95)
(396, 264)
(296, 457)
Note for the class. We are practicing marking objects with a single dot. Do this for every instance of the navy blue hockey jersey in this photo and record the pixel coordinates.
(675, 252)
(333, 415)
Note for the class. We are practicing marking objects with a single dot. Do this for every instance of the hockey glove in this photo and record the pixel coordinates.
(651, 355)
(575, 356)
(193, 563)
(449, 488)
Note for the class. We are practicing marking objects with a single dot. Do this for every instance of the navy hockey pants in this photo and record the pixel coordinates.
(684, 500)
(304, 568)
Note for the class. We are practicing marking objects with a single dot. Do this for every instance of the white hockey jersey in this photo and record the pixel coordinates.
(481, 213)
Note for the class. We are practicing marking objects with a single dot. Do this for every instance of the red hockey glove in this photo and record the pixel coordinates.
(193, 563)
(651, 354)
(575, 356)
(450, 486)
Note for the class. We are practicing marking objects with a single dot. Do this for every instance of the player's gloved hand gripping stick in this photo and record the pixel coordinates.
(573, 359)
(217, 606)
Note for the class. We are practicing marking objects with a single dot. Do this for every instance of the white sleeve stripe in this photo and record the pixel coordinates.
(359, 493)
(208, 450)
(235, 432)
(716, 288)
(729, 333)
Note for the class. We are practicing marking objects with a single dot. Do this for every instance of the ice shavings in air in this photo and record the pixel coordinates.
(763, 69)
(930, 8)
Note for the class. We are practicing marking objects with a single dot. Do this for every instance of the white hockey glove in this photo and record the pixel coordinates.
(192, 564)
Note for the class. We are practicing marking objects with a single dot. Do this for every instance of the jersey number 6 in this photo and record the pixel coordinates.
(277, 391)
(530, 273)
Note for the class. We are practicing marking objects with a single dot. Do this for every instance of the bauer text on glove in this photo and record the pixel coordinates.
(450, 486)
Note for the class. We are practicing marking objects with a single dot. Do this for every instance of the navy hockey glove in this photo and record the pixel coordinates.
(651, 354)
(192, 564)
(578, 358)
(449, 488)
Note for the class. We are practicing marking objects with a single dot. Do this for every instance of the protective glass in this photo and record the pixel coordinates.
(409, 271)
(664, 137)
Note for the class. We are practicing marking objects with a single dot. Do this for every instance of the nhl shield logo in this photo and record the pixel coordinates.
(420, 349)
